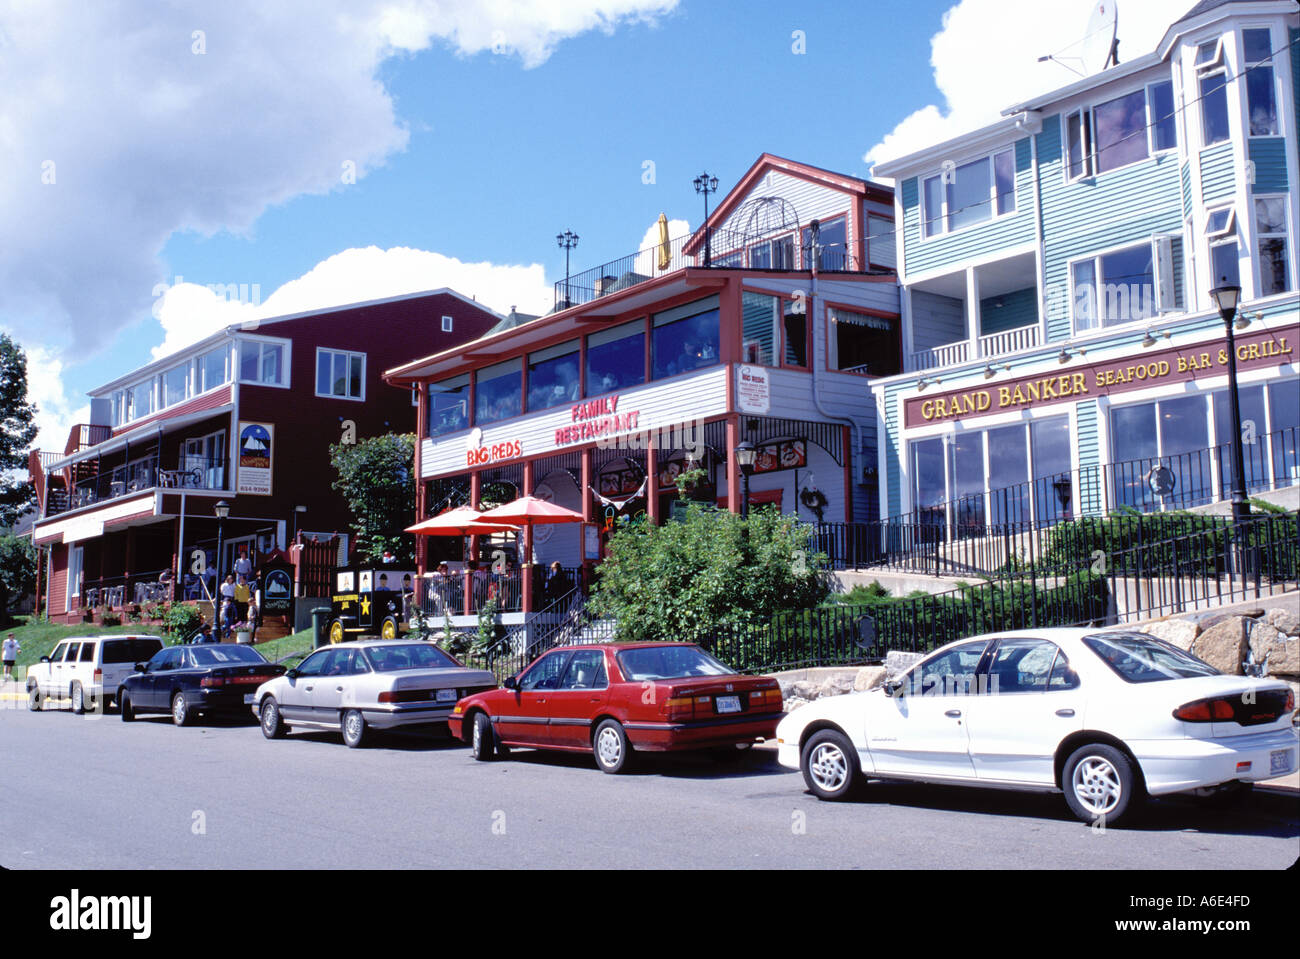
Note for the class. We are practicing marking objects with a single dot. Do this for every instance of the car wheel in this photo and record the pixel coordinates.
(829, 763)
(180, 710)
(389, 630)
(613, 751)
(34, 700)
(1099, 783)
(354, 728)
(482, 742)
(273, 726)
(1225, 795)
(124, 707)
(78, 699)
(336, 631)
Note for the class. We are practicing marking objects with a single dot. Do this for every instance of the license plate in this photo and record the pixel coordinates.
(250, 698)
(447, 696)
(728, 704)
(1279, 761)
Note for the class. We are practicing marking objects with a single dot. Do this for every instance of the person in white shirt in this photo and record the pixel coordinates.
(244, 566)
(9, 655)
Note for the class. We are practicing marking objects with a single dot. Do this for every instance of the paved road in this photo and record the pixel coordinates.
(93, 792)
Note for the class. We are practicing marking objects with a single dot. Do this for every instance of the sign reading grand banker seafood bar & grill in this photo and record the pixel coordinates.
(1177, 365)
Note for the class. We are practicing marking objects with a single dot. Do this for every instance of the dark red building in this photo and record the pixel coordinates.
(246, 416)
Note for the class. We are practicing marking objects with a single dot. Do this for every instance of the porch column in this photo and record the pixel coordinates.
(652, 477)
(526, 560)
(733, 468)
(973, 313)
(475, 489)
(588, 512)
(908, 334)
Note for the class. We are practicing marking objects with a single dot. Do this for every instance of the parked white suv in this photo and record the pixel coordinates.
(81, 668)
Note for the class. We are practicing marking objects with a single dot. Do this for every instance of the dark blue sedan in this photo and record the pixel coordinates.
(188, 681)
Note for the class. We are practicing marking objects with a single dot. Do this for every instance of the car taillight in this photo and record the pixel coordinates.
(1265, 706)
(680, 707)
(210, 681)
(98, 676)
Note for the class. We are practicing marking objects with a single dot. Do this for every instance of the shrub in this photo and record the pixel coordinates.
(180, 620)
(110, 618)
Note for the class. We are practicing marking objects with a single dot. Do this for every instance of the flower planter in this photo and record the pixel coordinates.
(243, 636)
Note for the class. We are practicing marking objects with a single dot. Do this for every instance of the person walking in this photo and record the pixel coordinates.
(10, 654)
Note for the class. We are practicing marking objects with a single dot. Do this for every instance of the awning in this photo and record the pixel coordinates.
(148, 431)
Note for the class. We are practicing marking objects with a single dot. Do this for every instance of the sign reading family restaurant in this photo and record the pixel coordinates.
(593, 419)
(1101, 379)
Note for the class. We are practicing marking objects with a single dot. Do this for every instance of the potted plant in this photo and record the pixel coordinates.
(243, 632)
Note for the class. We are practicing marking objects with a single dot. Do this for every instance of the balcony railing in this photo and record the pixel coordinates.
(1010, 341)
(137, 476)
(990, 346)
(950, 354)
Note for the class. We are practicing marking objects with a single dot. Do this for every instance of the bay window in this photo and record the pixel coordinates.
(1261, 85)
(1213, 84)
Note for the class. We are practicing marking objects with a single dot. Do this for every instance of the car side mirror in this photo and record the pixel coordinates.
(142, 667)
(511, 682)
(292, 673)
(893, 688)
(45, 659)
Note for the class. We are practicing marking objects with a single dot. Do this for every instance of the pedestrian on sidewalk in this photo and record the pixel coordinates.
(9, 655)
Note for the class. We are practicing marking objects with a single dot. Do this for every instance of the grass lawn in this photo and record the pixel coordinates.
(37, 637)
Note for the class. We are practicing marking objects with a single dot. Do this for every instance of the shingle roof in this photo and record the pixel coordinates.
(1205, 6)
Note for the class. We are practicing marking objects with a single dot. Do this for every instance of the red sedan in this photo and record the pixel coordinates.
(619, 698)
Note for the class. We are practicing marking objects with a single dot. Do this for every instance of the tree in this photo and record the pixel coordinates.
(17, 430)
(377, 478)
(17, 571)
(707, 570)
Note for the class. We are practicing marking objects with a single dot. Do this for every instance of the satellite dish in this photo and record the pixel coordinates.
(1100, 38)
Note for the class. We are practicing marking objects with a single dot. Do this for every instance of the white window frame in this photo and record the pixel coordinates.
(1230, 226)
(1272, 65)
(447, 324)
(200, 387)
(945, 217)
(262, 341)
(1215, 64)
(1260, 236)
(349, 354)
(1088, 133)
(1095, 259)
(186, 393)
(1153, 121)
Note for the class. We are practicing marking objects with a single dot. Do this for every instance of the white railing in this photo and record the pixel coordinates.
(1010, 341)
(946, 355)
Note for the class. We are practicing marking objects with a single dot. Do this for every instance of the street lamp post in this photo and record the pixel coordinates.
(746, 455)
(1226, 299)
(707, 184)
(222, 509)
(567, 241)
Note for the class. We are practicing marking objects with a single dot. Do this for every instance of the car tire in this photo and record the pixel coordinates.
(829, 762)
(272, 722)
(78, 696)
(482, 741)
(124, 708)
(182, 715)
(35, 701)
(1225, 795)
(354, 729)
(337, 632)
(390, 629)
(1100, 784)
(611, 746)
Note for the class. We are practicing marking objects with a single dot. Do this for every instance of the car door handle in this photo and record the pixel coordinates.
(309, 688)
(954, 713)
(1065, 712)
(338, 689)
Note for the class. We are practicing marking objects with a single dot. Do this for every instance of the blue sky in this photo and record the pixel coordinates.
(210, 143)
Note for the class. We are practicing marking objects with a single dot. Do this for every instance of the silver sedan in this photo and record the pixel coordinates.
(357, 686)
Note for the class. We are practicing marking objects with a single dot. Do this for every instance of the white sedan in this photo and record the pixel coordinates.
(353, 687)
(1105, 717)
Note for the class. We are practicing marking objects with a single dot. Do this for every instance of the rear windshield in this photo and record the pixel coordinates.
(669, 662)
(130, 650)
(1145, 659)
(224, 655)
(388, 659)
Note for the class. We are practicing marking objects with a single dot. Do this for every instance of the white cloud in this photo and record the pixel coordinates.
(985, 58)
(189, 312)
(55, 413)
(122, 123)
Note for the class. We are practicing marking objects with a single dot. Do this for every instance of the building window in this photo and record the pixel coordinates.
(616, 358)
(1121, 131)
(881, 249)
(140, 400)
(262, 362)
(1261, 87)
(1221, 231)
(1164, 118)
(449, 405)
(1078, 145)
(1271, 234)
(759, 313)
(213, 368)
(1114, 288)
(973, 193)
(831, 239)
(860, 343)
(685, 344)
(446, 324)
(340, 374)
(498, 393)
(1213, 81)
(796, 334)
(176, 385)
(553, 376)
(775, 254)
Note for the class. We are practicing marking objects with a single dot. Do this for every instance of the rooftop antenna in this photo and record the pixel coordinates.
(1100, 43)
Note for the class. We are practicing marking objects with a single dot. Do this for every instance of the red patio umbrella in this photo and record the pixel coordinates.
(531, 511)
(462, 521)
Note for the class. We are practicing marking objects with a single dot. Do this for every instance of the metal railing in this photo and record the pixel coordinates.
(137, 476)
(116, 592)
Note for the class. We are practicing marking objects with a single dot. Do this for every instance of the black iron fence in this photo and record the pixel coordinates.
(136, 476)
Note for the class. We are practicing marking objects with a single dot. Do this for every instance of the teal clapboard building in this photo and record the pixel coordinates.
(1059, 341)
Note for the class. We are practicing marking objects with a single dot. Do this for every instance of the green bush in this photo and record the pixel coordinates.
(110, 618)
(180, 620)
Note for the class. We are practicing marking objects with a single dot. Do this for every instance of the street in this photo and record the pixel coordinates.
(94, 793)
